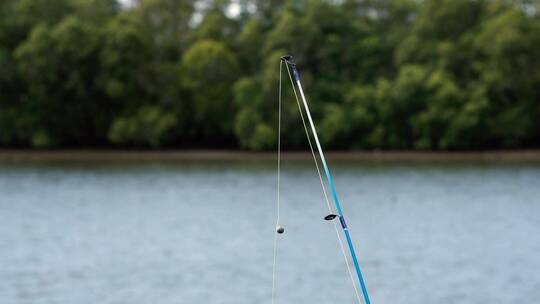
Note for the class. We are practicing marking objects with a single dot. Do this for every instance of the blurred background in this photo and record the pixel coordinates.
(138, 138)
(402, 74)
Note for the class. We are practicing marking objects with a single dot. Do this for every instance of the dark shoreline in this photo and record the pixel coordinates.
(17, 156)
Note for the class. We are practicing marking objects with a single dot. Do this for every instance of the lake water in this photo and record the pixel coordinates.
(203, 233)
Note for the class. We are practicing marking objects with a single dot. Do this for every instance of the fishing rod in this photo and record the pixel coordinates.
(297, 84)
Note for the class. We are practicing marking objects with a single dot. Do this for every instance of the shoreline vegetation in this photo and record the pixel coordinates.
(20, 156)
(160, 74)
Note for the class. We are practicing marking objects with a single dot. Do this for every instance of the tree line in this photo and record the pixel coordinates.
(380, 74)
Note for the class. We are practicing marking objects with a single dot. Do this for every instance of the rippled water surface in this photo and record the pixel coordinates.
(203, 233)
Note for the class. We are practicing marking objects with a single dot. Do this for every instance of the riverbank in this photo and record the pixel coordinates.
(17, 156)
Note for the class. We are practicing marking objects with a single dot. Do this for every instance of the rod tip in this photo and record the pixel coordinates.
(288, 59)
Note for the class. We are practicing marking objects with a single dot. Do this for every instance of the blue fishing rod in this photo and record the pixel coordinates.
(290, 62)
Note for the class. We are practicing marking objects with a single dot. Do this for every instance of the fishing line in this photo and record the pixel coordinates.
(328, 205)
(288, 60)
(278, 187)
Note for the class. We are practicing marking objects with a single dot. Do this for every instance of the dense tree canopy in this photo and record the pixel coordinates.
(380, 74)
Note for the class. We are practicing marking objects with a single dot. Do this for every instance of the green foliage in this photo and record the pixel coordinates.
(392, 74)
(169, 23)
(58, 65)
(208, 70)
(124, 57)
(249, 126)
(150, 126)
(40, 139)
(254, 134)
